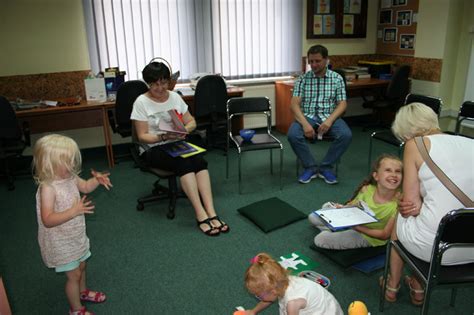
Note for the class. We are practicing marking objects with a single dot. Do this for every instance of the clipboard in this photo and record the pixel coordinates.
(338, 219)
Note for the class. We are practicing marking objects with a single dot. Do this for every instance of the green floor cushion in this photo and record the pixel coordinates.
(271, 214)
(349, 257)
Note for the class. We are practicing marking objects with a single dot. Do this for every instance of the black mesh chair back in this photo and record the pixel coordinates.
(211, 96)
(399, 85)
(432, 102)
(210, 102)
(13, 140)
(454, 231)
(126, 95)
(240, 106)
(466, 112)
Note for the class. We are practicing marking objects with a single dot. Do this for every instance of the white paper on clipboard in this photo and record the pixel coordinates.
(341, 218)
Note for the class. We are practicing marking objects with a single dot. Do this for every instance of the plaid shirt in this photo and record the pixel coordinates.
(319, 95)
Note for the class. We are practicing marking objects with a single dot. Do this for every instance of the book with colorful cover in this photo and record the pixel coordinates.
(178, 148)
(198, 150)
(173, 123)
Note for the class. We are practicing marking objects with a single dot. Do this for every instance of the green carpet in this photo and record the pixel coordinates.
(148, 264)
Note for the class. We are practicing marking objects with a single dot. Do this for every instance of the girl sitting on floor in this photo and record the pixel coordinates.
(380, 191)
(269, 281)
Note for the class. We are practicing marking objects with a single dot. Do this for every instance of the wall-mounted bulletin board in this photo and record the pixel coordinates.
(336, 19)
(396, 27)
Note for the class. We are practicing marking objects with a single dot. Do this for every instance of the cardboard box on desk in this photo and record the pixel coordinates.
(95, 89)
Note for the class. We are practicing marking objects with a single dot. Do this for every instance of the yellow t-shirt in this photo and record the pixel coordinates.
(383, 212)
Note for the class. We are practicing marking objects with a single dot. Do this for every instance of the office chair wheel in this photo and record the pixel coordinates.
(170, 215)
(140, 206)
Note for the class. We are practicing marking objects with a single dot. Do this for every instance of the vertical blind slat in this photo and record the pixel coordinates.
(237, 38)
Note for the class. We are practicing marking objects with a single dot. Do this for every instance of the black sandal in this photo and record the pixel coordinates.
(208, 232)
(222, 228)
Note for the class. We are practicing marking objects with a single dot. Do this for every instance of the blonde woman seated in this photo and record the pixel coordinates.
(425, 199)
(148, 109)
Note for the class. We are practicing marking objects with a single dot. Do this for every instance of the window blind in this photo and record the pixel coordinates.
(236, 38)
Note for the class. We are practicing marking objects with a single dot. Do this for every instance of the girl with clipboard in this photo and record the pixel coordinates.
(380, 191)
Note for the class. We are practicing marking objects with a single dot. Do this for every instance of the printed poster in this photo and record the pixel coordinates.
(329, 25)
(352, 6)
(318, 24)
(348, 24)
(323, 6)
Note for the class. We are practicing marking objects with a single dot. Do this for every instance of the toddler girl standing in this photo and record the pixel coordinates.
(269, 281)
(60, 212)
(380, 191)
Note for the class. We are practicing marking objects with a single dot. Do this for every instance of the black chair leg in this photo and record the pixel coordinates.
(453, 297)
(173, 192)
(385, 275)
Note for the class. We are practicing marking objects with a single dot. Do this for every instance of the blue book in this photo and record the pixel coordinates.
(177, 148)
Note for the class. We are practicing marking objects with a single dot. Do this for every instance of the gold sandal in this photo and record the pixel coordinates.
(388, 289)
(414, 300)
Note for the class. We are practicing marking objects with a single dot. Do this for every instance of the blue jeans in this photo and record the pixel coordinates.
(339, 131)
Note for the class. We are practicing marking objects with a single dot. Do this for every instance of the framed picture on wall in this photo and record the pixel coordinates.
(407, 41)
(385, 17)
(390, 35)
(404, 18)
(397, 3)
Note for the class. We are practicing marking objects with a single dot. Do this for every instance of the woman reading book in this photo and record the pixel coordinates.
(148, 110)
(380, 192)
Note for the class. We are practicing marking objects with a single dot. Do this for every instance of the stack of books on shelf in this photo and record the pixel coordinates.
(360, 72)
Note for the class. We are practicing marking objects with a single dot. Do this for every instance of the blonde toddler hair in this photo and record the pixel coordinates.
(50, 153)
(266, 274)
(413, 120)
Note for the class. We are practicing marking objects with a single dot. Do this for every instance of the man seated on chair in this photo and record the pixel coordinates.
(319, 100)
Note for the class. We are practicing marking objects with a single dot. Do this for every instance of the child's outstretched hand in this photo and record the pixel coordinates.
(102, 178)
(83, 206)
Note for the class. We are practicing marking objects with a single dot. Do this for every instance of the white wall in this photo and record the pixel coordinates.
(42, 37)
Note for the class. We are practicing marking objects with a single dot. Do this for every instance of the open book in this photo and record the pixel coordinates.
(172, 123)
(342, 218)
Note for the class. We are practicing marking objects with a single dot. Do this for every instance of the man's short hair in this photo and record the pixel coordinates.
(318, 49)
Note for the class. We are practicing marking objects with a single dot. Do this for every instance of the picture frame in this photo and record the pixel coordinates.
(336, 18)
(404, 18)
(398, 3)
(385, 17)
(390, 35)
(407, 41)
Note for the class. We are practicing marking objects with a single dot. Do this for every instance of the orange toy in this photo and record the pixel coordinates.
(357, 308)
(239, 313)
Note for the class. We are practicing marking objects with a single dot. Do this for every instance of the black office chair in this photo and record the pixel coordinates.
(391, 100)
(120, 118)
(240, 106)
(387, 135)
(454, 231)
(159, 192)
(466, 112)
(210, 102)
(13, 140)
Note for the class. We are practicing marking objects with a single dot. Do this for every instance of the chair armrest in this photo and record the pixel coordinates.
(27, 133)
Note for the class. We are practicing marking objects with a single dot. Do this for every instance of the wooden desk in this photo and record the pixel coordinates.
(284, 92)
(59, 118)
(85, 115)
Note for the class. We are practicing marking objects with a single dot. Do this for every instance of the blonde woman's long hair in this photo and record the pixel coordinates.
(54, 151)
(266, 274)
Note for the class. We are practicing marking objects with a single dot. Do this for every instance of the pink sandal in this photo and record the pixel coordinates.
(97, 297)
(81, 311)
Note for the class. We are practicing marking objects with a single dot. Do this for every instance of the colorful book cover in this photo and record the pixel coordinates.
(198, 150)
(178, 148)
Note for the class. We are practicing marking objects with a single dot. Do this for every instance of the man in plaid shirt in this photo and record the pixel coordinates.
(319, 99)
